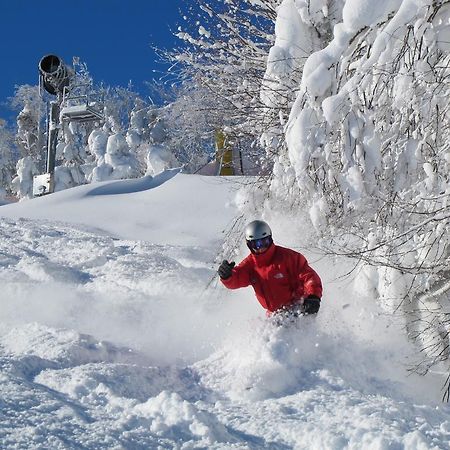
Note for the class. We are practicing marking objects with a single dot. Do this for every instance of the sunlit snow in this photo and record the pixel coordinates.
(115, 333)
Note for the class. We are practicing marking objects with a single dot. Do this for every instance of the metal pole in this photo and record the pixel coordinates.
(53, 126)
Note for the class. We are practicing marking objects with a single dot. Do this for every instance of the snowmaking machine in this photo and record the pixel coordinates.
(74, 103)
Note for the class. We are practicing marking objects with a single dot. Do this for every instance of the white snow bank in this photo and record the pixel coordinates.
(133, 185)
(158, 209)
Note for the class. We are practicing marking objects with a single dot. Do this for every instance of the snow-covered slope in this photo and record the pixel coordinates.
(114, 333)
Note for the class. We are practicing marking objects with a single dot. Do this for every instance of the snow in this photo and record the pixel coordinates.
(358, 14)
(355, 141)
(114, 333)
(285, 55)
(114, 330)
(160, 159)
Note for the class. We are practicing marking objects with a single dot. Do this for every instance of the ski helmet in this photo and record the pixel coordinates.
(258, 229)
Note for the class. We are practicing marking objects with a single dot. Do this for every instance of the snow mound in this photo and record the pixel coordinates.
(164, 209)
(121, 187)
(169, 416)
(61, 346)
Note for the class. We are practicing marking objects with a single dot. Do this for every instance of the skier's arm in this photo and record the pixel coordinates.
(240, 276)
(309, 281)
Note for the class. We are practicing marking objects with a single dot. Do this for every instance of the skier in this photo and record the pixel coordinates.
(282, 279)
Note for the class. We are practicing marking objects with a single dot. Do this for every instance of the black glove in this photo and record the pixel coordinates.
(311, 304)
(225, 269)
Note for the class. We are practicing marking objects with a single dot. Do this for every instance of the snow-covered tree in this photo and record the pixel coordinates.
(301, 28)
(97, 142)
(22, 184)
(119, 105)
(29, 138)
(224, 54)
(146, 128)
(118, 156)
(6, 159)
(74, 163)
(367, 148)
(188, 126)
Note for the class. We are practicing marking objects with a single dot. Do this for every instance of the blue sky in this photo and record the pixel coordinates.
(112, 37)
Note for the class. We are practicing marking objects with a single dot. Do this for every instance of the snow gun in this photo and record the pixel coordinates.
(73, 103)
(54, 75)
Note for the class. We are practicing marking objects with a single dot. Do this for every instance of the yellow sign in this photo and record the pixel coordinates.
(224, 154)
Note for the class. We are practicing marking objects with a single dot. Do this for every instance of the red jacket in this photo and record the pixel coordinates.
(280, 276)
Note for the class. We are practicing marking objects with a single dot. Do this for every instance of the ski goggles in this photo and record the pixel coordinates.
(260, 244)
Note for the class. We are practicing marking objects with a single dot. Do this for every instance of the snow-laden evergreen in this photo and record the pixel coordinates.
(6, 160)
(22, 183)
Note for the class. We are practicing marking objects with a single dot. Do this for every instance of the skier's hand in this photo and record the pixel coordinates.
(311, 304)
(225, 269)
